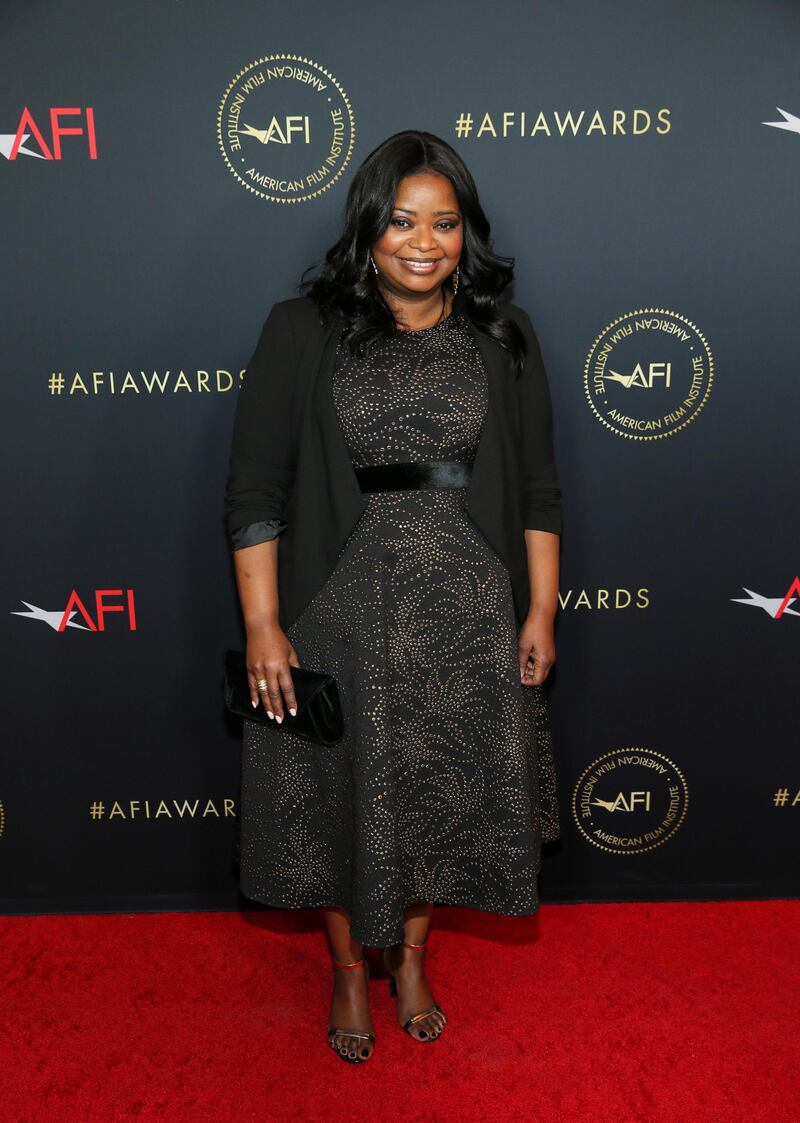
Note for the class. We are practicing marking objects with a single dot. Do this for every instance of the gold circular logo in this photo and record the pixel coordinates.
(630, 800)
(648, 374)
(285, 128)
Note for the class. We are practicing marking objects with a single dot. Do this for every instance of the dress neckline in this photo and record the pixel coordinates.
(433, 327)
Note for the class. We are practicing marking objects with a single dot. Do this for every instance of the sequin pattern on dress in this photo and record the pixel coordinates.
(444, 786)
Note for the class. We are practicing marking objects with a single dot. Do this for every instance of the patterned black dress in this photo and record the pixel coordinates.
(444, 785)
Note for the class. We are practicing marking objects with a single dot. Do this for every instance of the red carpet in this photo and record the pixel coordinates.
(583, 1013)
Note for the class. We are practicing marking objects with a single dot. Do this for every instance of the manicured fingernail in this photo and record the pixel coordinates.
(253, 704)
(292, 710)
(278, 719)
(271, 714)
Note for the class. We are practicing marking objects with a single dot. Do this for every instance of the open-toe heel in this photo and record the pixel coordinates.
(353, 1058)
(421, 1035)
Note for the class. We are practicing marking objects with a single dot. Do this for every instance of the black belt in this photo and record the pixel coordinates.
(434, 473)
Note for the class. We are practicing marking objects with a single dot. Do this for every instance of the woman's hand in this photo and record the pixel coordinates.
(537, 649)
(269, 655)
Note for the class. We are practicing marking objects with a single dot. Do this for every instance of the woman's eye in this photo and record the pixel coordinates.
(442, 225)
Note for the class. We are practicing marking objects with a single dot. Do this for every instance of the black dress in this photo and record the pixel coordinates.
(444, 785)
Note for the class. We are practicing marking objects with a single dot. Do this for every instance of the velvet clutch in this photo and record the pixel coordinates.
(319, 716)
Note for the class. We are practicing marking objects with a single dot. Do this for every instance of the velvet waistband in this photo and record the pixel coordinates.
(414, 474)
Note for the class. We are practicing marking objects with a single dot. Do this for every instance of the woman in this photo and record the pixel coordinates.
(394, 513)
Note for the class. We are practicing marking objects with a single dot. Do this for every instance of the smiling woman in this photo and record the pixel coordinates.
(424, 237)
(400, 372)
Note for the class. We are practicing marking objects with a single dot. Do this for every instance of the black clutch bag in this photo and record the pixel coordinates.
(319, 715)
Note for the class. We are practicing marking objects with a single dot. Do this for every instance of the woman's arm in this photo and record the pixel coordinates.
(263, 453)
(260, 478)
(541, 492)
(542, 514)
(269, 651)
(537, 649)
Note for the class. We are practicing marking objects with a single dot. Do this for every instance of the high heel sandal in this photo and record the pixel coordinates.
(425, 1038)
(362, 1035)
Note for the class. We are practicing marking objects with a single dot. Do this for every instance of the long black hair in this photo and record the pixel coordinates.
(345, 284)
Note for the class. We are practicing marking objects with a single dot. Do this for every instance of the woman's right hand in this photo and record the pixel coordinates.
(269, 654)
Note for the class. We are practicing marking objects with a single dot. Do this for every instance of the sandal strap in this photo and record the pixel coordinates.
(348, 966)
(362, 1034)
(414, 947)
(418, 1017)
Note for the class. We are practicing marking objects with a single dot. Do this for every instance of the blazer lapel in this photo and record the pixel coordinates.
(337, 454)
(482, 475)
(493, 499)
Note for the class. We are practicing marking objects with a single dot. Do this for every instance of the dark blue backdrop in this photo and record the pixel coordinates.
(154, 258)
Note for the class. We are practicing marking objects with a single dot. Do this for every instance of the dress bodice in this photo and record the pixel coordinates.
(419, 395)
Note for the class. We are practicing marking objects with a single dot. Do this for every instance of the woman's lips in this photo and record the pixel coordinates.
(418, 266)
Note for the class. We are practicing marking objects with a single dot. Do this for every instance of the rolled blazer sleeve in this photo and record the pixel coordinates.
(541, 492)
(263, 448)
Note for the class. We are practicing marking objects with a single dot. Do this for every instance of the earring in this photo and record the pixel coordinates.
(455, 282)
(374, 266)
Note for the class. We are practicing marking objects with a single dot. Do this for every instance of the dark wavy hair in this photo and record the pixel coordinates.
(345, 283)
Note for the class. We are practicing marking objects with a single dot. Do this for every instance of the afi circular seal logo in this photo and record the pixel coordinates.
(285, 128)
(648, 374)
(630, 800)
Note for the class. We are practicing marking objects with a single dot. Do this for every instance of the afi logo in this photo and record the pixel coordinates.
(789, 122)
(644, 377)
(277, 134)
(773, 606)
(636, 801)
(12, 145)
(105, 602)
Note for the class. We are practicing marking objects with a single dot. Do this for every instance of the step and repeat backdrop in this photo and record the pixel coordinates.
(168, 172)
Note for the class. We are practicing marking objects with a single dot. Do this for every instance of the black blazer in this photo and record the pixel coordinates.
(290, 466)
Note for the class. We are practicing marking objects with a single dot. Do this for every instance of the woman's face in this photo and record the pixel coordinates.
(425, 228)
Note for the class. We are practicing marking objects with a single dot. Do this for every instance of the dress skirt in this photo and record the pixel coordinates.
(443, 787)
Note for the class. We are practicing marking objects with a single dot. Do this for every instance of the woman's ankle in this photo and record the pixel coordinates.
(349, 954)
(401, 959)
